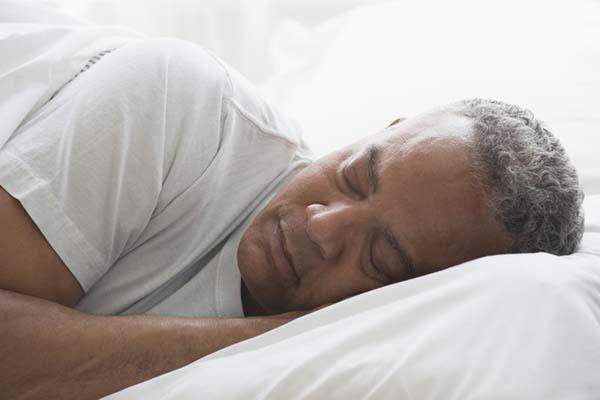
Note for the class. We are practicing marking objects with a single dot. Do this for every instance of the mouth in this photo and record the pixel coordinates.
(282, 257)
(286, 252)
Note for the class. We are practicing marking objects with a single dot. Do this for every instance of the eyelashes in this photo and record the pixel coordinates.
(378, 270)
(355, 191)
(347, 181)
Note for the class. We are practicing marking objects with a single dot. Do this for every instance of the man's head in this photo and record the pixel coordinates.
(466, 180)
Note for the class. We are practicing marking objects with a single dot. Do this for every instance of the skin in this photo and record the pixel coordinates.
(427, 195)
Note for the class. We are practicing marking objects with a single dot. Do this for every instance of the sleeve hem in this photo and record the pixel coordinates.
(80, 257)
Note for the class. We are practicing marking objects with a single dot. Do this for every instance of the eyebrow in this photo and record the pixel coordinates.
(373, 176)
(373, 152)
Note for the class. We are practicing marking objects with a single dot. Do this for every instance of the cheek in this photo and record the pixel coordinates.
(330, 284)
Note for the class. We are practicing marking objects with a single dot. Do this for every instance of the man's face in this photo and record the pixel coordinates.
(393, 206)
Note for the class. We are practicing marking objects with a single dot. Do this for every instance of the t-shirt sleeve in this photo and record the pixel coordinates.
(95, 164)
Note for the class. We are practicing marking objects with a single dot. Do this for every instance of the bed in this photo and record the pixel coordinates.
(503, 327)
(521, 326)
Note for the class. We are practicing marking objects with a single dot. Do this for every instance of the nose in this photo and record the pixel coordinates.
(333, 226)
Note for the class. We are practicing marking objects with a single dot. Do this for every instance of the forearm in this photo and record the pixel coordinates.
(50, 351)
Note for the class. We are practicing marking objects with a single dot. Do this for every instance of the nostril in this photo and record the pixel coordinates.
(319, 247)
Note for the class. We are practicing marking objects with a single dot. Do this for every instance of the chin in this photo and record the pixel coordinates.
(253, 266)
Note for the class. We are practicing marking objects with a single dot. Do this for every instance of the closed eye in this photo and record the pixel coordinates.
(349, 184)
(381, 276)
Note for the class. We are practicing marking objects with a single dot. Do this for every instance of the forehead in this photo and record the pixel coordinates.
(431, 126)
(434, 146)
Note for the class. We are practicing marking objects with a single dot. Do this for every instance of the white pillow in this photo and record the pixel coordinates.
(356, 73)
(504, 327)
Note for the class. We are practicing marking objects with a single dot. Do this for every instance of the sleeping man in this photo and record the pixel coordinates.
(156, 209)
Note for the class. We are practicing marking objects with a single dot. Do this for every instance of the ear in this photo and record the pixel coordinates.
(396, 121)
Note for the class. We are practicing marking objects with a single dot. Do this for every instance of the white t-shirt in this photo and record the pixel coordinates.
(144, 171)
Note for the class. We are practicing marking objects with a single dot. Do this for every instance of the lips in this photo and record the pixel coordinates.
(286, 252)
(280, 254)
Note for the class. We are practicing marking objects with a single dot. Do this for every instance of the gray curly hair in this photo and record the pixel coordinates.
(534, 187)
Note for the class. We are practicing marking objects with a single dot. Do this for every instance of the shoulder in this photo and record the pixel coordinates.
(190, 71)
(247, 101)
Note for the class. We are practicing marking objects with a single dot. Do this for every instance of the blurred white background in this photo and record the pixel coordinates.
(346, 68)
(239, 31)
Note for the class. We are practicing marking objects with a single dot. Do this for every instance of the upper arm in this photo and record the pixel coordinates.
(28, 264)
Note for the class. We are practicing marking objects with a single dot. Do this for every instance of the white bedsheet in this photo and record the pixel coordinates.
(503, 327)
